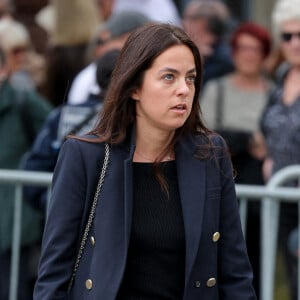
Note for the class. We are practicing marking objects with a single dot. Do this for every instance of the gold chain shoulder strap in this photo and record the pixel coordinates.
(91, 216)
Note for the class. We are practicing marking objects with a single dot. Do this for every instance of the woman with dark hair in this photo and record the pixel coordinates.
(166, 225)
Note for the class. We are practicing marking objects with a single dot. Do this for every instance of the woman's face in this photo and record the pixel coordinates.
(16, 58)
(164, 101)
(248, 55)
(290, 41)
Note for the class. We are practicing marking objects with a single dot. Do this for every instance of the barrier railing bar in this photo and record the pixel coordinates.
(270, 194)
(269, 229)
(25, 177)
(243, 207)
(20, 178)
(16, 240)
(289, 194)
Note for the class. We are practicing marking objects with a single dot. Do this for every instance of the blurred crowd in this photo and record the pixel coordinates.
(250, 95)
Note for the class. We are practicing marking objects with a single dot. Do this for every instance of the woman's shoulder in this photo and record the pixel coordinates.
(88, 145)
(85, 140)
(210, 138)
(85, 151)
(212, 149)
(210, 144)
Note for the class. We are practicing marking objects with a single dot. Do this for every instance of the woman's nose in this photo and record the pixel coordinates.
(183, 87)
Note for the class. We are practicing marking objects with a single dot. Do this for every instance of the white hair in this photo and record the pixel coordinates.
(13, 34)
(284, 10)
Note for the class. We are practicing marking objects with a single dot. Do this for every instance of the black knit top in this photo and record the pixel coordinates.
(156, 255)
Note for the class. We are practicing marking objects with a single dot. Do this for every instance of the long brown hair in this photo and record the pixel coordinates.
(143, 46)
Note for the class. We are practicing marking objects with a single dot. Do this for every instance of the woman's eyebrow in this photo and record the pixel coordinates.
(193, 70)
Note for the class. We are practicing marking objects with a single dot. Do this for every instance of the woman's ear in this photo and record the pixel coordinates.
(135, 95)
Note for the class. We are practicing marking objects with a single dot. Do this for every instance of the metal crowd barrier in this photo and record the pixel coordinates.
(20, 178)
(270, 195)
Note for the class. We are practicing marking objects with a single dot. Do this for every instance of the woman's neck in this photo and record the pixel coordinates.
(150, 146)
(291, 87)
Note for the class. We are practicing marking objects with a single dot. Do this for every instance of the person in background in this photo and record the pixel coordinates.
(15, 41)
(22, 113)
(62, 121)
(157, 10)
(105, 8)
(73, 22)
(273, 62)
(167, 224)
(24, 65)
(167, 12)
(293, 243)
(281, 123)
(232, 105)
(207, 23)
(110, 35)
(5, 9)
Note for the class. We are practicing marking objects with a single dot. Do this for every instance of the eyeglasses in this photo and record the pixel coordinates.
(247, 48)
(101, 41)
(287, 36)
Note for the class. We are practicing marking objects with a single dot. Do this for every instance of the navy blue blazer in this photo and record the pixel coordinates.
(216, 266)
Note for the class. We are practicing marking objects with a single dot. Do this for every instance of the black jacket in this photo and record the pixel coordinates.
(216, 265)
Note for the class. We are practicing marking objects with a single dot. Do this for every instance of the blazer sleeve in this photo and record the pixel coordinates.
(234, 272)
(43, 158)
(62, 228)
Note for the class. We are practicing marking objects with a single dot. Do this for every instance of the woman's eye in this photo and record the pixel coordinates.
(169, 77)
(191, 79)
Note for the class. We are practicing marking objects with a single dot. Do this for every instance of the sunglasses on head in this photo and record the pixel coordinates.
(287, 36)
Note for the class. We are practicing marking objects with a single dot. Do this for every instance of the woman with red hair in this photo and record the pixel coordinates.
(233, 105)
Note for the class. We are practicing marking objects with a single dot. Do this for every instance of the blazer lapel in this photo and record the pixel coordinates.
(128, 185)
(191, 180)
(128, 198)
